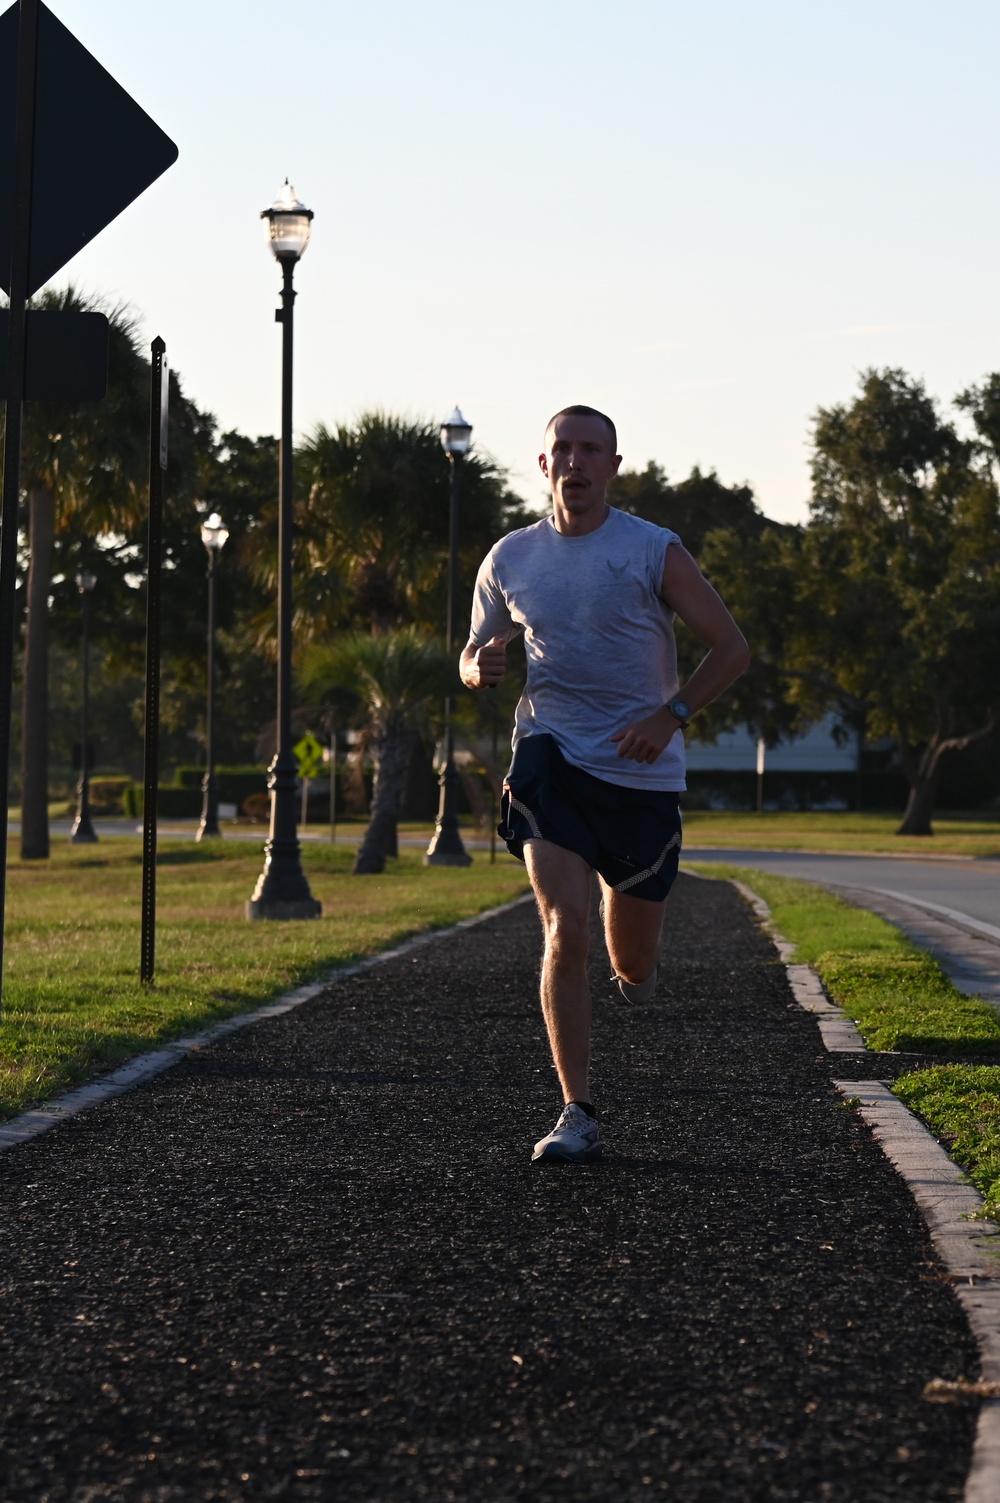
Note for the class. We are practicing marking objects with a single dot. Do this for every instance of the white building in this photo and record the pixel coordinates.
(736, 751)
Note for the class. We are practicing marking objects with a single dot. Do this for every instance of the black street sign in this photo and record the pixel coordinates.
(67, 356)
(95, 149)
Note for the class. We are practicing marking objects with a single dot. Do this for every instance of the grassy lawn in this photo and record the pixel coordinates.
(72, 1002)
(961, 1105)
(900, 999)
(954, 834)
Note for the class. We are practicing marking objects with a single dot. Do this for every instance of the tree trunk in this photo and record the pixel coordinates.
(381, 836)
(35, 701)
(923, 773)
(919, 807)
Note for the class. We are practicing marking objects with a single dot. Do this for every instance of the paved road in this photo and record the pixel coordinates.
(968, 887)
(314, 1262)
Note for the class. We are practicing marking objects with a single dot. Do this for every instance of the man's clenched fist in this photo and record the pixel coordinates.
(484, 667)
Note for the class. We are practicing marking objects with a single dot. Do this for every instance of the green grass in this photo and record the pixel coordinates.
(868, 834)
(72, 1002)
(902, 1000)
(899, 997)
(961, 1105)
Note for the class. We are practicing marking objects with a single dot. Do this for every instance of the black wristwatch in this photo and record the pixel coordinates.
(680, 710)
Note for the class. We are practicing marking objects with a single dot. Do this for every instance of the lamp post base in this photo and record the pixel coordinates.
(446, 848)
(208, 829)
(275, 908)
(282, 890)
(83, 832)
(441, 857)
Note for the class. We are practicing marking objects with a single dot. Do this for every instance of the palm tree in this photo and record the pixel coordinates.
(372, 525)
(85, 461)
(399, 678)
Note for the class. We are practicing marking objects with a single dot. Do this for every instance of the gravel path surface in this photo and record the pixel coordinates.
(314, 1262)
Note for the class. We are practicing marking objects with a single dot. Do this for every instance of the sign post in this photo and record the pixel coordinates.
(158, 405)
(18, 206)
(309, 756)
(75, 150)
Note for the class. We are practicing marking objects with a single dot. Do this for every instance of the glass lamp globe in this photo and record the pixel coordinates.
(456, 434)
(214, 533)
(287, 225)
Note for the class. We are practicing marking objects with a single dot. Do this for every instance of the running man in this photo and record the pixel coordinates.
(598, 759)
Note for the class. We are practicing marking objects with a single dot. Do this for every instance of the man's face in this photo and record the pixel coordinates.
(578, 463)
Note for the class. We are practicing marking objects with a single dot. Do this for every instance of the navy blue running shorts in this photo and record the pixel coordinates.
(630, 835)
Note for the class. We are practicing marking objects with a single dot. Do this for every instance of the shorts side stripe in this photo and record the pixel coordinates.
(526, 813)
(650, 871)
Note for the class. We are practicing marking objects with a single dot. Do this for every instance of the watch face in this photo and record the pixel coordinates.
(679, 708)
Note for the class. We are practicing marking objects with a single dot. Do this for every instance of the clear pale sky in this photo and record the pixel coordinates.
(706, 219)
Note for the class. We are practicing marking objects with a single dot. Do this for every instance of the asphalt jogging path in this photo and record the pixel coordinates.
(313, 1261)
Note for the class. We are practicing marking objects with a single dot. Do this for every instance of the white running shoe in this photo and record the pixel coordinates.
(640, 992)
(575, 1139)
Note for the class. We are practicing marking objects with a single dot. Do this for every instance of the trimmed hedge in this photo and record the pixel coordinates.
(234, 784)
(171, 803)
(182, 798)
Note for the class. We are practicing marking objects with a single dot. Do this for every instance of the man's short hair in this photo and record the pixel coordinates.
(580, 411)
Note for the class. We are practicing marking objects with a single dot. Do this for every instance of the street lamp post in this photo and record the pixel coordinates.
(282, 891)
(214, 533)
(446, 848)
(83, 832)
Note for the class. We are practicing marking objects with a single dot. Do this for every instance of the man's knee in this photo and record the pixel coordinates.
(567, 934)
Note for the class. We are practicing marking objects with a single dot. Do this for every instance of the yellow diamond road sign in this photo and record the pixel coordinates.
(309, 755)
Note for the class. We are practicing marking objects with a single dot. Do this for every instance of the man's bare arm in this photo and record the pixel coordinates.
(483, 667)
(686, 590)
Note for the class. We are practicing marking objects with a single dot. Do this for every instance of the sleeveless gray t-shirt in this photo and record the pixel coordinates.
(599, 640)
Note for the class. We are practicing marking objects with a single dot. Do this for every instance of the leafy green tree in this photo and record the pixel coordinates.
(892, 595)
(231, 474)
(372, 526)
(740, 550)
(754, 575)
(80, 460)
(692, 508)
(399, 678)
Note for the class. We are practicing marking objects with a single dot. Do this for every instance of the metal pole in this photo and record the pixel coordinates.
(20, 210)
(209, 826)
(159, 388)
(282, 891)
(83, 832)
(333, 777)
(446, 848)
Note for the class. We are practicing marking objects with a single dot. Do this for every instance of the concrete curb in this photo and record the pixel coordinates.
(145, 1066)
(968, 1247)
(839, 1033)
